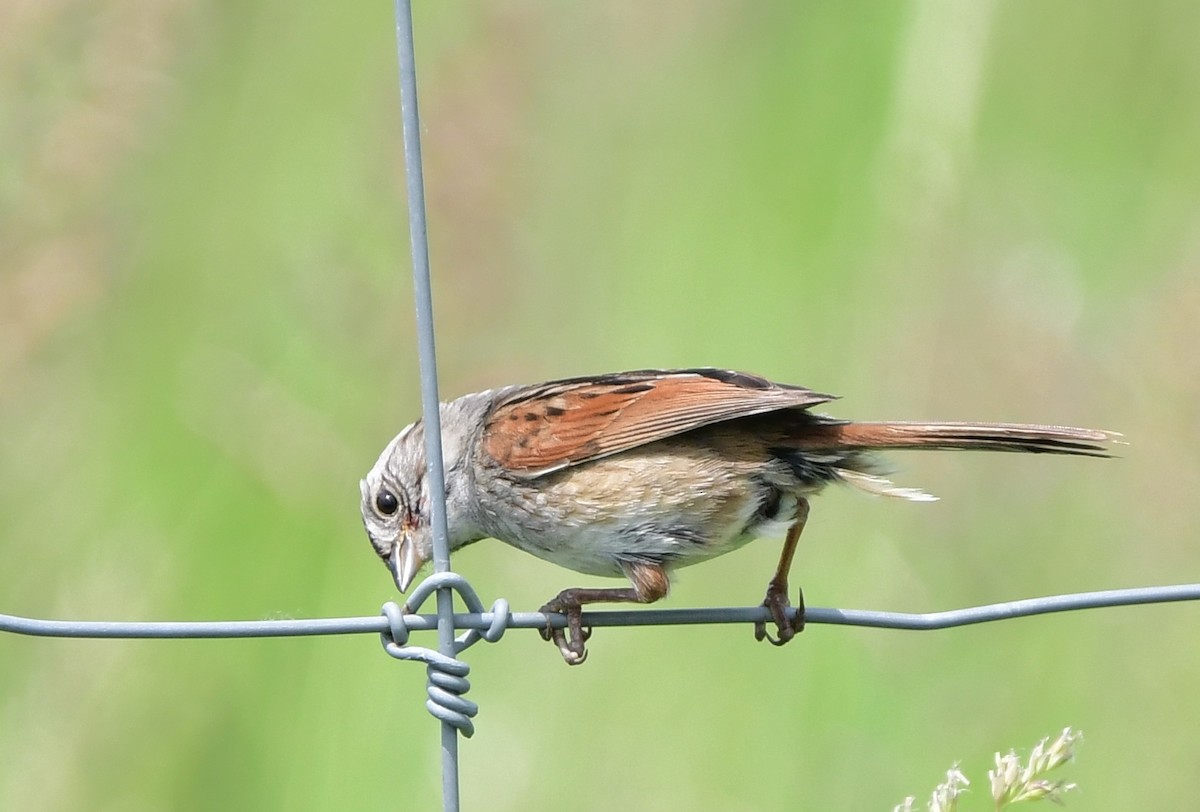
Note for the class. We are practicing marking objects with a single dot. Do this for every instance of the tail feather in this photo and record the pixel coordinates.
(877, 485)
(1034, 439)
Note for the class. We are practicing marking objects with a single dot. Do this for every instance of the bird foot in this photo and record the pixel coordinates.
(777, 603)
(570, 640)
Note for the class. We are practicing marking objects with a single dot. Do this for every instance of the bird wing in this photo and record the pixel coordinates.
(534, 430)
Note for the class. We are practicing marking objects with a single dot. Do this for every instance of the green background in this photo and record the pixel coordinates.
(945, 210)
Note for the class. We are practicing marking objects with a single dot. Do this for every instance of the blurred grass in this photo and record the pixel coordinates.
(950, 211)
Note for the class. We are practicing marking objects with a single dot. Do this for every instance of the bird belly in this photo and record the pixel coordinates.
(670, 505)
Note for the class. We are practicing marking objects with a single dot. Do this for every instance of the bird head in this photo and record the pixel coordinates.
(395, 507)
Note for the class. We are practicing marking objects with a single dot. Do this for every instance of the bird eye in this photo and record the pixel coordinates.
(386, 503)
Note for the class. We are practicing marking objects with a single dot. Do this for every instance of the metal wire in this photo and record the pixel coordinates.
(444, 671)
(447, 675)
(485, 621)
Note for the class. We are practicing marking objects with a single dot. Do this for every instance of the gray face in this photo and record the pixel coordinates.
(395, 494)
(395, 507)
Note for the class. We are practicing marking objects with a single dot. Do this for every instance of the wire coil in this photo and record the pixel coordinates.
(447, 676)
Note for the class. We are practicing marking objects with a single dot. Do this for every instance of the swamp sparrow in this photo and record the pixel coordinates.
(635, 474)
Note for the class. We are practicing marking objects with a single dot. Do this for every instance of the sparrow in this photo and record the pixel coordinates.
(636, 474)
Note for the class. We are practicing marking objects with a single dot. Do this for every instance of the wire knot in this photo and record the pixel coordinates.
(447, 675)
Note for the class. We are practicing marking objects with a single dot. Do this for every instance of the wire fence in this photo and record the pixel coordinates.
(486, 620)
(447, 678)
(447, 673)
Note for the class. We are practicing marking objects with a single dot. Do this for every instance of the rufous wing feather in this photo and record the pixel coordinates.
(535, 430)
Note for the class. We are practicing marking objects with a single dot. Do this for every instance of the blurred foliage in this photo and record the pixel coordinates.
(941, 210)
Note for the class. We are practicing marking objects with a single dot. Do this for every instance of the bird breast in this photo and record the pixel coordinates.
(671, 502)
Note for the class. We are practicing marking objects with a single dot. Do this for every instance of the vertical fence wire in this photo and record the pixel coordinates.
(428, 362)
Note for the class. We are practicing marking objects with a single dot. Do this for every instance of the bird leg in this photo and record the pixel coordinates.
(650, 582)
(776, 600)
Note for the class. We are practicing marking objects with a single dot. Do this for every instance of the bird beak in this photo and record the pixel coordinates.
(404, 562)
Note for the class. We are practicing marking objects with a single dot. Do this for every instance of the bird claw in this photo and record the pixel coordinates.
(570, 640)
(777, 603)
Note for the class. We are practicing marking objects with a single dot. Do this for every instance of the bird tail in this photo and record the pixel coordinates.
(1034, 439)
(842, 451)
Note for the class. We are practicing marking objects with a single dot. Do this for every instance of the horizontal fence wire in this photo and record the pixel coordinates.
(480, 621)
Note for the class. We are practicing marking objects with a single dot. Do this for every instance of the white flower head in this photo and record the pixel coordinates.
(945, 795)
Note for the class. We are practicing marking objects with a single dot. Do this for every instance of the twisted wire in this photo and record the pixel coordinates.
(446, 675)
